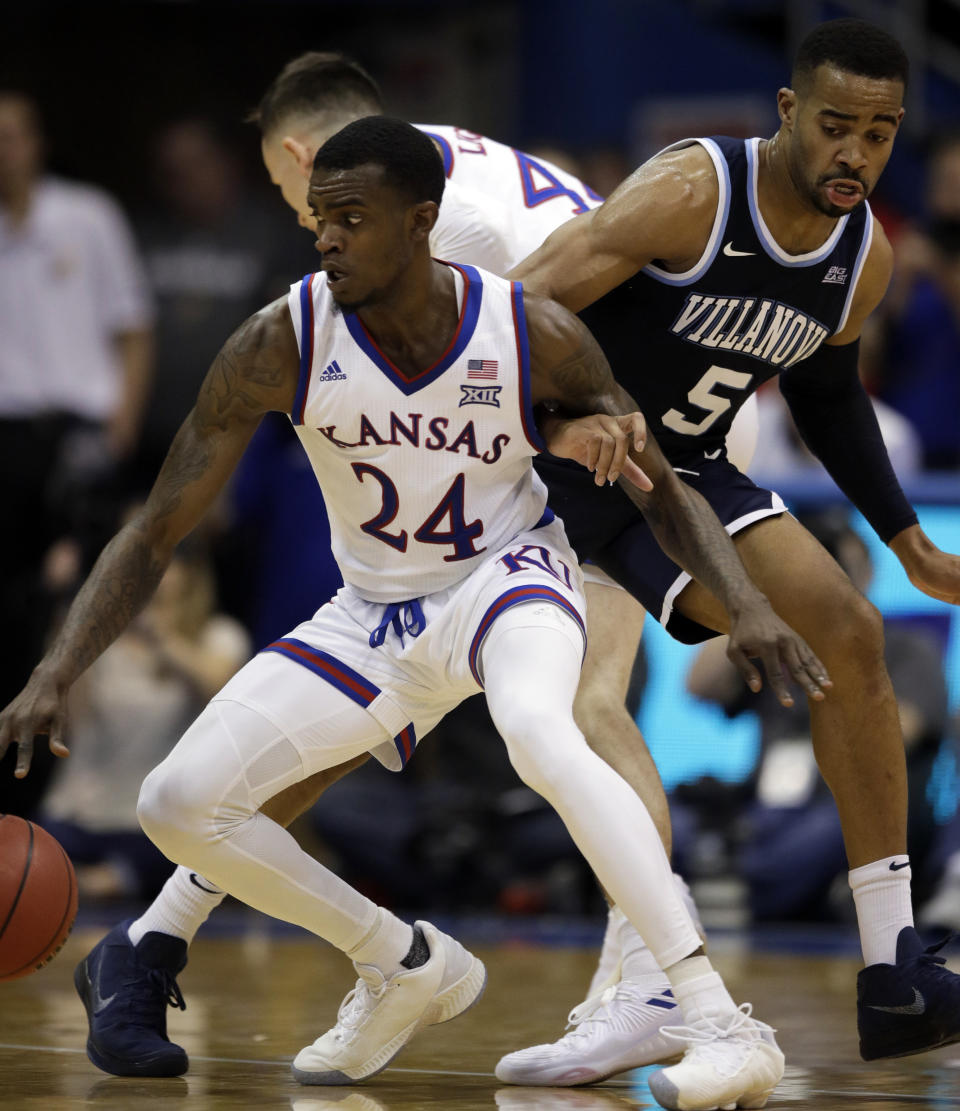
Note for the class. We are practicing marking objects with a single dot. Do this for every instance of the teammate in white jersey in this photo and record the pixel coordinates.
(375, 365)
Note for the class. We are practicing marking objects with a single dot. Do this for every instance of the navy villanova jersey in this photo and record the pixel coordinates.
(692, 347)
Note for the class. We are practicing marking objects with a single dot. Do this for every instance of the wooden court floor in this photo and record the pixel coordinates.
(254, 1001)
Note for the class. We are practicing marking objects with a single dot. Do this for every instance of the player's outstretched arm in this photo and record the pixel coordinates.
(837, 421)
(664, 211)
(255, 371)
(571, 378)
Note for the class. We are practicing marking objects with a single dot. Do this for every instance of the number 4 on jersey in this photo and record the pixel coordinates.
(540, 185)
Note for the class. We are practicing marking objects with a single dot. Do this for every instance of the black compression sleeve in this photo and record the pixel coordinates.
(836, 420)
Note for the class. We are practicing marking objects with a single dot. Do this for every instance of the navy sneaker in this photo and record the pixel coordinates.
(126, 990)
(910, 1006)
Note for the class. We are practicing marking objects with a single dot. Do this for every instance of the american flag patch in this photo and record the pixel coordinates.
(482, 368)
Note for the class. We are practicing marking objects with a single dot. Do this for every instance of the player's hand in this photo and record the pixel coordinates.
(757, 633)
(931, 570)
(39, 710)
(601, 443)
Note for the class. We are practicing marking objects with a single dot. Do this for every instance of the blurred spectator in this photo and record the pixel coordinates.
(781, 455)
(126, 713)
(215, 252)
(789, 847)
(917, 369)
(74, 366)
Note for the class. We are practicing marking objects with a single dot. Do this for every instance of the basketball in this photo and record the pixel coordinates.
(38, 897)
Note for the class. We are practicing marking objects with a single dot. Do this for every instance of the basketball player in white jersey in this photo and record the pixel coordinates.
(498, 205)
(414, 386)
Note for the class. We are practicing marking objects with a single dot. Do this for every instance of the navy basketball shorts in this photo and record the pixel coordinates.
(604, 527)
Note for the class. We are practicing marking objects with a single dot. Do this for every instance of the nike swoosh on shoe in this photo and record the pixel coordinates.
(917, 1007)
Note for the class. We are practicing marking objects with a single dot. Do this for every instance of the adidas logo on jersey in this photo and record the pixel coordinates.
(332, 373)
(836, 275)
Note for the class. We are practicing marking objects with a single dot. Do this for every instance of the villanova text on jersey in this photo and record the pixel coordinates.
(768, 330)
(692, 347)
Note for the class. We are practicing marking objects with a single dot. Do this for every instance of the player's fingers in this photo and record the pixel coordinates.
(773, 666)
(636, 475)
(636, 428)
(743, 664)
(605, 453)
(612, 454)
(619, 446)
(806, 669)
(24, 756)
(591, 453)
(57, 744)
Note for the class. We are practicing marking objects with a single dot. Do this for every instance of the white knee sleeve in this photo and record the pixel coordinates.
(531, 676)
(201, 808)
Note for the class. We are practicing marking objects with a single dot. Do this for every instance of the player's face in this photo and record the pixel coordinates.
(363, 233)
(290, 177)
(842, 129)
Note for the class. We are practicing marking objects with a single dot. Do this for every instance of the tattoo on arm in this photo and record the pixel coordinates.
(122, 580)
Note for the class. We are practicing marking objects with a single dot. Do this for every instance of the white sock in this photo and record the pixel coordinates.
(386, 944)
(699, 991)
(881, 891)
(180, 909)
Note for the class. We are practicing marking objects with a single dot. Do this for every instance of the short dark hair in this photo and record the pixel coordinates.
(317, 82)
(411, 163)
(854, 46)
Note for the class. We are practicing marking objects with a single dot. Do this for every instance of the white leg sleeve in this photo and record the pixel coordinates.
(201, 808)
(531, 675)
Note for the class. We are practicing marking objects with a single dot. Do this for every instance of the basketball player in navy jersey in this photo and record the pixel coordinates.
(717, 265)
(458, 578)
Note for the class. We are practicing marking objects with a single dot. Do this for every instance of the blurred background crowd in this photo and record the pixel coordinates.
(138, 228)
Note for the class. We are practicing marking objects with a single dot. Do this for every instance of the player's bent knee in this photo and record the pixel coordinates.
(597, 703)
(543, 750)
(856, 633)
(173, 809)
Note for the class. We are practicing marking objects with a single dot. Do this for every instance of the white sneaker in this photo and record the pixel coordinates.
(381, 1014)
(730, 1064)
(618, 1030)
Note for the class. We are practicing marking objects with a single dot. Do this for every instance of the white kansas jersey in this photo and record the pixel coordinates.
(532, 195)
(421, 476)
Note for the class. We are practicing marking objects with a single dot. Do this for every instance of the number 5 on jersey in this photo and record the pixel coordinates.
(703, 397)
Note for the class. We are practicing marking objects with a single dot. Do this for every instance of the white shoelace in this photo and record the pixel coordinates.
(357, 1005)
(585, 1012)
(596, 1010)
(709, 1041)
